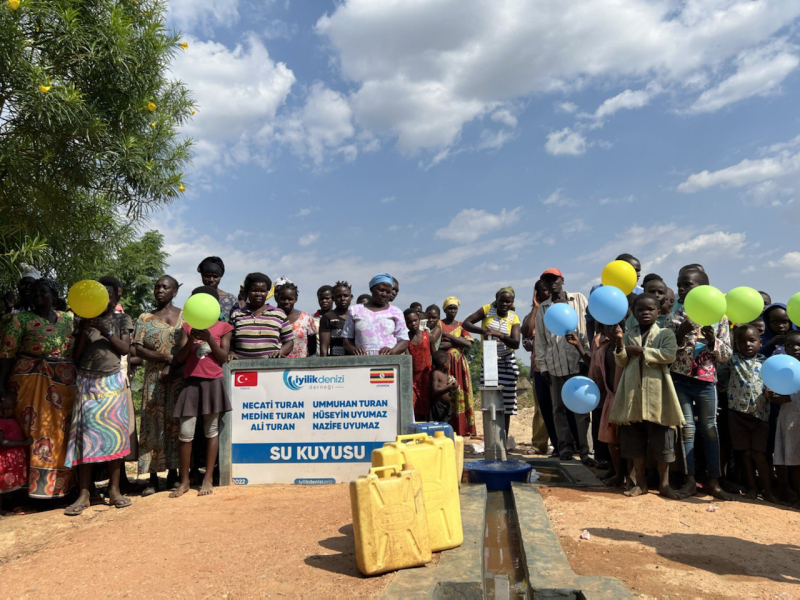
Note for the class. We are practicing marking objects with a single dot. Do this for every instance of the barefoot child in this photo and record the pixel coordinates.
(420, 348)
(787, 442)
(442, 386)
(13, 453)
(100, 431)
(203, 352)
(646, 406)
(332, 322)
(748, 418)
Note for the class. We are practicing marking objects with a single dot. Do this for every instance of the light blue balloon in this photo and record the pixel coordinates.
(580, 394)
(608, 305)
(560, 319)
(781, 374)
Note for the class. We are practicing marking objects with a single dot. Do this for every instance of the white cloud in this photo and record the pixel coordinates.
(308, 239)
(574, 226)
(422, 70)
(388, 200)
(557, 198)
(627, 100)
(238, 93)
(305, 211)
(759, 72)
(567, 107)
(565, 142)
(323, 126)
(789, 262)
(623, 200)
(471, 224)
(237, 235)
(203, 14)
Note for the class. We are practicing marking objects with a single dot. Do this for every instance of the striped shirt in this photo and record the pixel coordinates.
(554, 354)
(260, 336)
(502, 325)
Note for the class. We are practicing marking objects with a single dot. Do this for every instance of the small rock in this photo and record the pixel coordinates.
(712, 508)
(585, 535)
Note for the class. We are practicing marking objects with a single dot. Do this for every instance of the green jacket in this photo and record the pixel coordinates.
(645, 391)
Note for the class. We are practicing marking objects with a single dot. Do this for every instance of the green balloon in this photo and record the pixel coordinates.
(744, 304)
(201, 311)
(705, 305)
(793, 309)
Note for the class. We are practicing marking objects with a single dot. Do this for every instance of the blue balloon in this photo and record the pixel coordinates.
(781, 374)
(608, 305)
(580, 394)
(560, 319)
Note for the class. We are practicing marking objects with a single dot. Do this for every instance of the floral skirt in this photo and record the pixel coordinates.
(100, 430)
(461, 402)
(45, 393)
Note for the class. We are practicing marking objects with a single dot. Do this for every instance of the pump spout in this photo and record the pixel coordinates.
(494, 433)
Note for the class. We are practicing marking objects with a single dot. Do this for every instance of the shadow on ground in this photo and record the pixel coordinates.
(344, 562)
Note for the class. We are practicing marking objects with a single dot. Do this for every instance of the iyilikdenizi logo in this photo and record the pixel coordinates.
(296, 382)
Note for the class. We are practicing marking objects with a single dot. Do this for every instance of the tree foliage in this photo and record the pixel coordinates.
(89, 122)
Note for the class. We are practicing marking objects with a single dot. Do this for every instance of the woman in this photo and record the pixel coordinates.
(377, 327)
(37, 354)
(303, 327)
(99, 432)
(211, 271)
(456, 341)
(259, 329)
(499, 321)
(155, 339)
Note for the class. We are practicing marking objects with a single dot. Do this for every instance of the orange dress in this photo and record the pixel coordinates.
(421, 358)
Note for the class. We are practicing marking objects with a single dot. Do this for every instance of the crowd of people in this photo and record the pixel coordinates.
(67, 416)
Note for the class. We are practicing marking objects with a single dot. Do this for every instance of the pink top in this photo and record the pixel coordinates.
(201, 362)
(303, 328)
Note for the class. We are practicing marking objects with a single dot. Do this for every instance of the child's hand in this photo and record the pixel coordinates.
(618, 334)
(572, 339)
(634, 351)
(201, 334)
(99, 326)
(710, 335)
(527, 343)
(685, 328)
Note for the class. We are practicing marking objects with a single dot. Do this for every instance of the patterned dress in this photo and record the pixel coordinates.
(461, 401)
(421, 361)
(44, 379)
(13, 461)
(373, 330)
(303, 329)
(158, 435)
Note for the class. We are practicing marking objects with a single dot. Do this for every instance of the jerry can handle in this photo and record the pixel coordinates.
(411, 436)
(375, 470)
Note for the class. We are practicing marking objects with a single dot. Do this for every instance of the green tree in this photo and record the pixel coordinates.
(89, 122)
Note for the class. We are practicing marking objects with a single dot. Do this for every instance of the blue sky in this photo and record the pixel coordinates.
(465, 145)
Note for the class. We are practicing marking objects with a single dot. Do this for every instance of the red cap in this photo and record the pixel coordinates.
(555, 272)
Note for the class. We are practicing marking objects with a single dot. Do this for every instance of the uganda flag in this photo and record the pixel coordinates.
(381, 375)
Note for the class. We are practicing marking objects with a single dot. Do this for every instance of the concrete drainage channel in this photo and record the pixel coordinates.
(510, 549)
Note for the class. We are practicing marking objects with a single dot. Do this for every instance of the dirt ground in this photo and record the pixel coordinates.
(270, 542)
(665, 549)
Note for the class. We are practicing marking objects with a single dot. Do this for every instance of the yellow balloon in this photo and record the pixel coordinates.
(619, 274)
(88, 299)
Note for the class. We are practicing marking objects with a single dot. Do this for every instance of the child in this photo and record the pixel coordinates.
(694, 374)
(13, 456)
(669, 302)
(363, 299)
(787, 442)
(332, 322)
(100, 429)
(203, 352)
(776, 325)
(325, 300)
(420, 348)
(433, 314)
(395, 290)
(442, 386)
(417, 306)
(646, 406)
(604, 371)
(303, 326)
(748, 417)
(653, 284)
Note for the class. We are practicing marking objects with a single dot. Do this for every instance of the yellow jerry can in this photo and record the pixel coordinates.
(389, 521)
(459, 449)
(434, 458)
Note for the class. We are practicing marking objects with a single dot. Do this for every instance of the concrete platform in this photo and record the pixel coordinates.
(549, 572)
(459, 573)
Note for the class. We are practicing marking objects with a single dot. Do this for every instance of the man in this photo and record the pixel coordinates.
(637, 266)
(557, 361)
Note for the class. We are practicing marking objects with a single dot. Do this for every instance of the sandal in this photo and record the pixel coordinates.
(121, 502)
(73, 510)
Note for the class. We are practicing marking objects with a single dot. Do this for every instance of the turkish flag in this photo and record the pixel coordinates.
(245, 378)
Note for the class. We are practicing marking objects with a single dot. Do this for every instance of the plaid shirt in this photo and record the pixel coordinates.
(554, 354)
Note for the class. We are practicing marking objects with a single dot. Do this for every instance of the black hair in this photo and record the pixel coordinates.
(434, 307)
(112, 282)
(342, 284)
(644, 296)
(539, 285)
(211, 260)
(255, 278)
(742, 327)
(651, 277)
(205, 289)
(792, 333)
(693, 267)
(288, 286)
(410, 311)
(50, 285)
(363, 297)
(173, 280)
(628, 257)
(394, 279)
(766, 297)
(440, 356)
(413, 304)
(324, 289)
(702, 277)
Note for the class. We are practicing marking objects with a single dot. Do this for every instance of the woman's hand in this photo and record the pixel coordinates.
(202, 335)
(385, 351)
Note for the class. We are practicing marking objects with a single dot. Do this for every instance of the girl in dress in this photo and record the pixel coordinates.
(305, 331)
(13, 453)
(421, 349)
